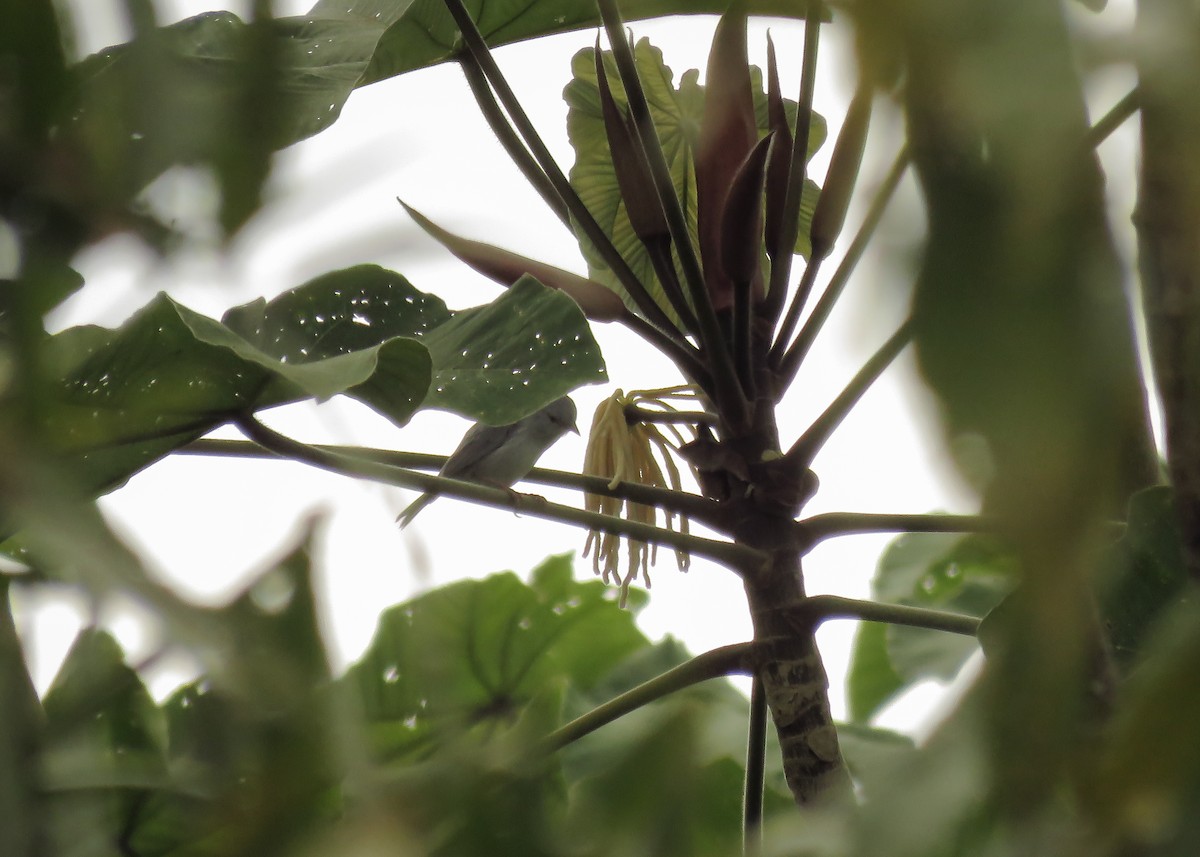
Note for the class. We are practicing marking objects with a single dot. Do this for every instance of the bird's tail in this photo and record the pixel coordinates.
(413, 508)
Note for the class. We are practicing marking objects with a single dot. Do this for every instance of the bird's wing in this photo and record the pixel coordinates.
(479, 442)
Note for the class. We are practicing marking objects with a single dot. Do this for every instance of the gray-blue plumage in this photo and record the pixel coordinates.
(501, 455)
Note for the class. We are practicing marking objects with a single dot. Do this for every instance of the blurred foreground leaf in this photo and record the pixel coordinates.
(960, 574)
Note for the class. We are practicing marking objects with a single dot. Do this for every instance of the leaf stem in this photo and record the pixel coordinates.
(717, 663)
(792, 317)
(810, 613)
(796, 353)
(781, 267)
(642, 415)
(737, 558)
(509, 140)
(728, 390)
(820, 527)
(806, 446)
(477, 46)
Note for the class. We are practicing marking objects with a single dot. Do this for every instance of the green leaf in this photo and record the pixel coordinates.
(872, 681)
(421, 32)
(677, 113)
(1142, 574)
(477, 651)
(251, 747)
(500, 362)
(214, 90)
(169, 375)
(869, 751)
(20, 731)
(963, 574)
(1147, 786)
(104, 751)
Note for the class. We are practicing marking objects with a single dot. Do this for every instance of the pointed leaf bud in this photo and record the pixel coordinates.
(597, 301)
(727, 135)
(646, 216)
(780, 163)
(741, 227)
(844, 163)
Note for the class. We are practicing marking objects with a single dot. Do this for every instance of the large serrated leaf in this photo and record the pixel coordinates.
(678, 112)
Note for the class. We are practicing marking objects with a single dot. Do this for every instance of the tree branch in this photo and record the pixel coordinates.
(735, 557)
(807, 615)
(694, 506)
(820, 527)
(1113, 119)
(727, 660)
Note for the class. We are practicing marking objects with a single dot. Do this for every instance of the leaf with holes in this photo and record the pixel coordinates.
(126, 397)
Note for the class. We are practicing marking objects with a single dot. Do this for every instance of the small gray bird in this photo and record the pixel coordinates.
(501, 455)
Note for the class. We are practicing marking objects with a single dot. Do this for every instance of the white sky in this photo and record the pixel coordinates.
(205, 524)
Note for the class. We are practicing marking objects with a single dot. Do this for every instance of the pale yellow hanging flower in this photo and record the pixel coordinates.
(620, 452)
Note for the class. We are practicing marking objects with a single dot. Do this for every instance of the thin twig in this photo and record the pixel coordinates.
(1113, 119)
(806, 447)
(733, 556)
(725, 661)
(799, 349)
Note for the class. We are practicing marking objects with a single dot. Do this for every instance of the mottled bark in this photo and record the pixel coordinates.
(796, 686)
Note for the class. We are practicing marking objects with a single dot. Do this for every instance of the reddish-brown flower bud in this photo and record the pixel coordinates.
(646, 216)
(727, 135)
(844, 164)
(780, 162)
(742, 223)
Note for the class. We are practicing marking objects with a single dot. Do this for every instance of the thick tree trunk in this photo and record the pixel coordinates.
(796, 686)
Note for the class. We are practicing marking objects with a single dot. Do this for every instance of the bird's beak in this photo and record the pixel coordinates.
(574, 427)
